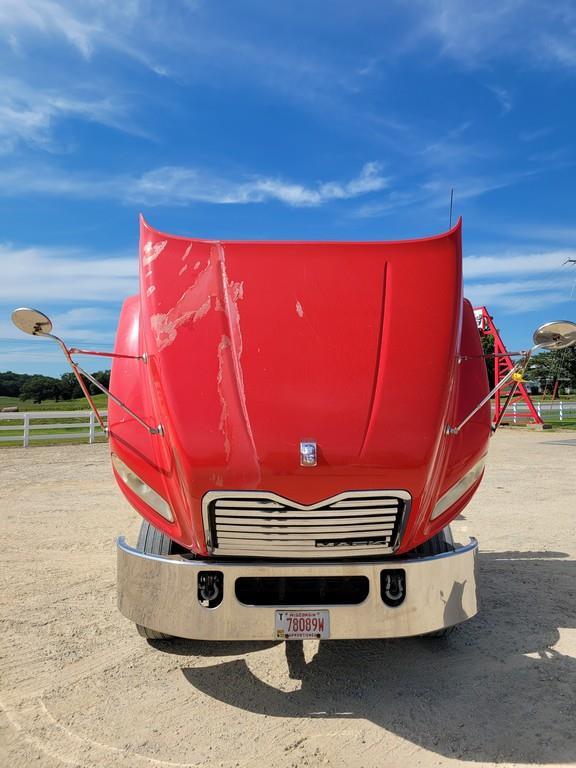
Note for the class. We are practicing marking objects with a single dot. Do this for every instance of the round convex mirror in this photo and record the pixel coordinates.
(31, 321)
(556, 335)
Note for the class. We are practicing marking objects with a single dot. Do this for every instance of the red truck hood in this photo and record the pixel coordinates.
(256, 346)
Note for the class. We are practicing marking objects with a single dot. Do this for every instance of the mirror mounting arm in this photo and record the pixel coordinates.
(519, 368)
(80, 372)
(559, 334)
(76, 351)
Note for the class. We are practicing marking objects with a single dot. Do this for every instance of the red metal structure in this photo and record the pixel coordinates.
(503, 364)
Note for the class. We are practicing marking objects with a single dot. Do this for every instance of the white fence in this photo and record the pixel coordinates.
(77, 425)
(82, 426)
(550, 411)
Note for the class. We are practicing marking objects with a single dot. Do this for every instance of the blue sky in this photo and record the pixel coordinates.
(251, 119)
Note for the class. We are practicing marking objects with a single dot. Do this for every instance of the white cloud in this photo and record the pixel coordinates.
(28, 114)
(130, 28)
(50, 18)
(93, 325)
(79, 325)
(563, 51)
(175, 185)
(56, 281)
(451, 148)
(19, 357)
(435, 192)
(553, 233)
(511, 264)
(503, 97)
(85, 26)
(465, 32)
(535, 134)
(516, 297)
(479, 31)
(522, 282)
(44, 276)
(369, 180)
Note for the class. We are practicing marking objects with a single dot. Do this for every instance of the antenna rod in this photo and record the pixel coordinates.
(451, 201)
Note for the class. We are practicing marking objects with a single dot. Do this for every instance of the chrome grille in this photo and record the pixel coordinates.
(258, 523)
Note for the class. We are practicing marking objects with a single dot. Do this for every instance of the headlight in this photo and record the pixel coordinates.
(143, 491)
(459, 489)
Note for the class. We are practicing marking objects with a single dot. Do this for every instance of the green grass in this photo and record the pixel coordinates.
(17, 442)
(542, 401)
(80, 404)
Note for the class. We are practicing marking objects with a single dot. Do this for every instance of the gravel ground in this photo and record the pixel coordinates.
(79, 687)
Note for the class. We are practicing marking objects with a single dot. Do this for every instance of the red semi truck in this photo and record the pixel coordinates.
(297, 423)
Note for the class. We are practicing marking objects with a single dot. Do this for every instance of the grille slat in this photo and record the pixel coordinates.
(309, 549)
(306, 529)
(286, 512)
(305, 553)
(376, 503)
(303, 537)
(238, 504)
(265, 524)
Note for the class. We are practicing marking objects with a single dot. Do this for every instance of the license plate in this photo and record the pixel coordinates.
(302, 625)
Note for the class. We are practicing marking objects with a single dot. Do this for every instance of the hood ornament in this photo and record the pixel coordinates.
(308, 454)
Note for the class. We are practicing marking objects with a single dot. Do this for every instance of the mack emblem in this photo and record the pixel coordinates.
(308, 454)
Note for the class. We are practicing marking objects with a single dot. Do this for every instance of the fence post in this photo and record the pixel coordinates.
(91, 428)
(26, 435)
(538, 409)
(514, 411)
(561, 411)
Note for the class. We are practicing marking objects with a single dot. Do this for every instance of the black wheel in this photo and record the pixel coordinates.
(153, 542)
(437, 545)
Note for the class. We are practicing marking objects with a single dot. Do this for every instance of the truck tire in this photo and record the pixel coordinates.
(153, 542)
(437, 545)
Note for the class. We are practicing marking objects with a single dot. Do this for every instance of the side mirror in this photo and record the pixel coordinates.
(559, 334)
(31, 321)
(36, 323)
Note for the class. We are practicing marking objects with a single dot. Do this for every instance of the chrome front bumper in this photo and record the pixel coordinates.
(161, 593)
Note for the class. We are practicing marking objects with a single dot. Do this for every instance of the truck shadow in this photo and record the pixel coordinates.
(497, 689)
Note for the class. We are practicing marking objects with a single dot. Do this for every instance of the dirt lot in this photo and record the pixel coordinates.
(80, 688)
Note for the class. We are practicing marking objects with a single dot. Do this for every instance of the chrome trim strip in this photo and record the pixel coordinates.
(160, 592)
(215, 564)
(266, 495)
(313, 514)
(357, 504)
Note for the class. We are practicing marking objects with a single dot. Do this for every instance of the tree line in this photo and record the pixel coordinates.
(37, 387)
(554, 371)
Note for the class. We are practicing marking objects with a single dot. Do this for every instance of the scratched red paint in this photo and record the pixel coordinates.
(263, 344)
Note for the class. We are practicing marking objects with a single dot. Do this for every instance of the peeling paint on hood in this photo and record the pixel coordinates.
(196, 301)
(261, 345)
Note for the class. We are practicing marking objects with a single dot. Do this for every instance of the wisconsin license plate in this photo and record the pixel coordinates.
(302, 625)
